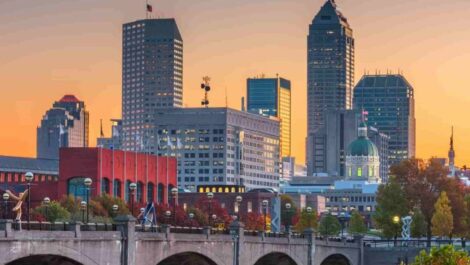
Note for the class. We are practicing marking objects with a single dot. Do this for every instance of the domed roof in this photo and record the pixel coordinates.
(362, 146)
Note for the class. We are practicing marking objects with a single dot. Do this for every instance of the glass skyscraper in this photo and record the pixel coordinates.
(389, 101)
(330, 76)
(272, 97)
(152, 76)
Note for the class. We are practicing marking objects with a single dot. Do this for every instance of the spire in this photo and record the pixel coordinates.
(101, 128)
(452, 139)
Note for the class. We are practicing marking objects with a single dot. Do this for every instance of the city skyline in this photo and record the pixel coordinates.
(88, 64)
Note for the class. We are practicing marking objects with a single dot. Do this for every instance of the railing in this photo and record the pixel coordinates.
(61, 226)
(413, 243)
(98, 227)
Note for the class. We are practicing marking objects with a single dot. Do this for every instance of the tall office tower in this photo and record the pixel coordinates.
(64, 125)
(152, 76)
(330, 69)
(272, 97)
(389, 101)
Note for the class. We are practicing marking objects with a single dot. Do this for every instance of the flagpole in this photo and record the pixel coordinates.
(146, 9)
(167, 155)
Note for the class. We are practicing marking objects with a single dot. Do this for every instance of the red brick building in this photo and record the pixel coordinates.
(113, 170)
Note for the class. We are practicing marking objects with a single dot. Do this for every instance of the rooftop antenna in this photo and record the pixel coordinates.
(101, 128)
(206, 86)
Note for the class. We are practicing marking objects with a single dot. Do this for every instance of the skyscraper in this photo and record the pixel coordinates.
(64, 125)
(330, 64)
(330, 72)
(389, 101)
(272, 97)
(152, 76)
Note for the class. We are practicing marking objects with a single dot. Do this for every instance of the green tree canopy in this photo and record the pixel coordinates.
(418, 225)
(357, 224)
(53, 212)
(446, 255)
(307, 220)
(329, 225)
(287, 215)
(442, 220)
(391, 202)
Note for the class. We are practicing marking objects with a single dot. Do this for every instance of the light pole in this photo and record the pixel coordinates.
(29, 177)
(83, 207)
(309, 213)
(343, 219)
(174, 193)
(214, 217)
(191, 217)
(210, 196)
(168, 215)
(115, 208)
(396, 221)
(88, 182)
(132, 188)
(238, 201)
(265, 208)
(288, 218)
(6, 197)
(46, 201)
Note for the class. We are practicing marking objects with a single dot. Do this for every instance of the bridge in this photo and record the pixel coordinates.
(126, 243)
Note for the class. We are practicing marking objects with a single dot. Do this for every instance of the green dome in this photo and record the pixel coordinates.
(362, 147)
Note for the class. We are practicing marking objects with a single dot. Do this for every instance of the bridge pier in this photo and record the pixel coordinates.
(126, 225)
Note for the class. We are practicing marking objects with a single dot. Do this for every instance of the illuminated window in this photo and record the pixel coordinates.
(350, 171)
(359, 171)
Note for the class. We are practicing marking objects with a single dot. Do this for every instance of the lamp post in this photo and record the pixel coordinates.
(343, 219)
(88, 182)
(210, 196)
(214, 217)
(265, 210)
(46, 201)
(167, 216)
(396, 221)
(288, 219)
(132, 188)
(238, 201)
(174, 193)
(83, 207)
(115, 208)
(191, 217)
(309, 213)
(29, 177)
(6, 197)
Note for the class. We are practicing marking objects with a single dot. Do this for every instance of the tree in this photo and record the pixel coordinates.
(307, 220)
(446, 255)
(215, 208)
(107, 202)
(418, 225)
(442, 220)
(53, 212)
(254, 221)
(391, 202)
(287, 215)
(329, 225)
(357, 224)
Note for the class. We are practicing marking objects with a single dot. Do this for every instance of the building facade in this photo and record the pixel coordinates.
(330, 64)
(362, 158)
(115, 140)
(66, 124)
(219, 146)
(272, 97)
(381, 141)
(152, 76)
(112, 171)
(389, 101)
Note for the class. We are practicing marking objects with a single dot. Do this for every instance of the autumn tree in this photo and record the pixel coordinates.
(418, 225)
(329, 225)
(391, 202)
(357, 224)
(254, 221)
(307, 220)
(442, 220)
(446, 255)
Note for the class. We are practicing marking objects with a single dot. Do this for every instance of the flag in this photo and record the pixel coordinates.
(169, 143)
(149, 8)
(61, 129)
(179, 144)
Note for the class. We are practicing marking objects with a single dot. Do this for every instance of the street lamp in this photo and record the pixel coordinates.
(174, 193)
(210, 196)
(288, 219)
(29, 177)
(115, 208)
(88, 182)
(343, 219)
(238, 201)
(214, 217)
(132, 188)
(265, 208)
(83, 207)
(168, 215)
(6, 197)
(191, 217)
(396, 221)
(46, 201)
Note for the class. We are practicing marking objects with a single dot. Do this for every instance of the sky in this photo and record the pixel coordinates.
(50, 48)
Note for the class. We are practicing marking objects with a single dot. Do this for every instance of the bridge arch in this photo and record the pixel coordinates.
(336, 259)
(187, 258)
(44, 260)
(276, 258)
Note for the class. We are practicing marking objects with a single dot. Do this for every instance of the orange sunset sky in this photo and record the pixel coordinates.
(49, 48)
